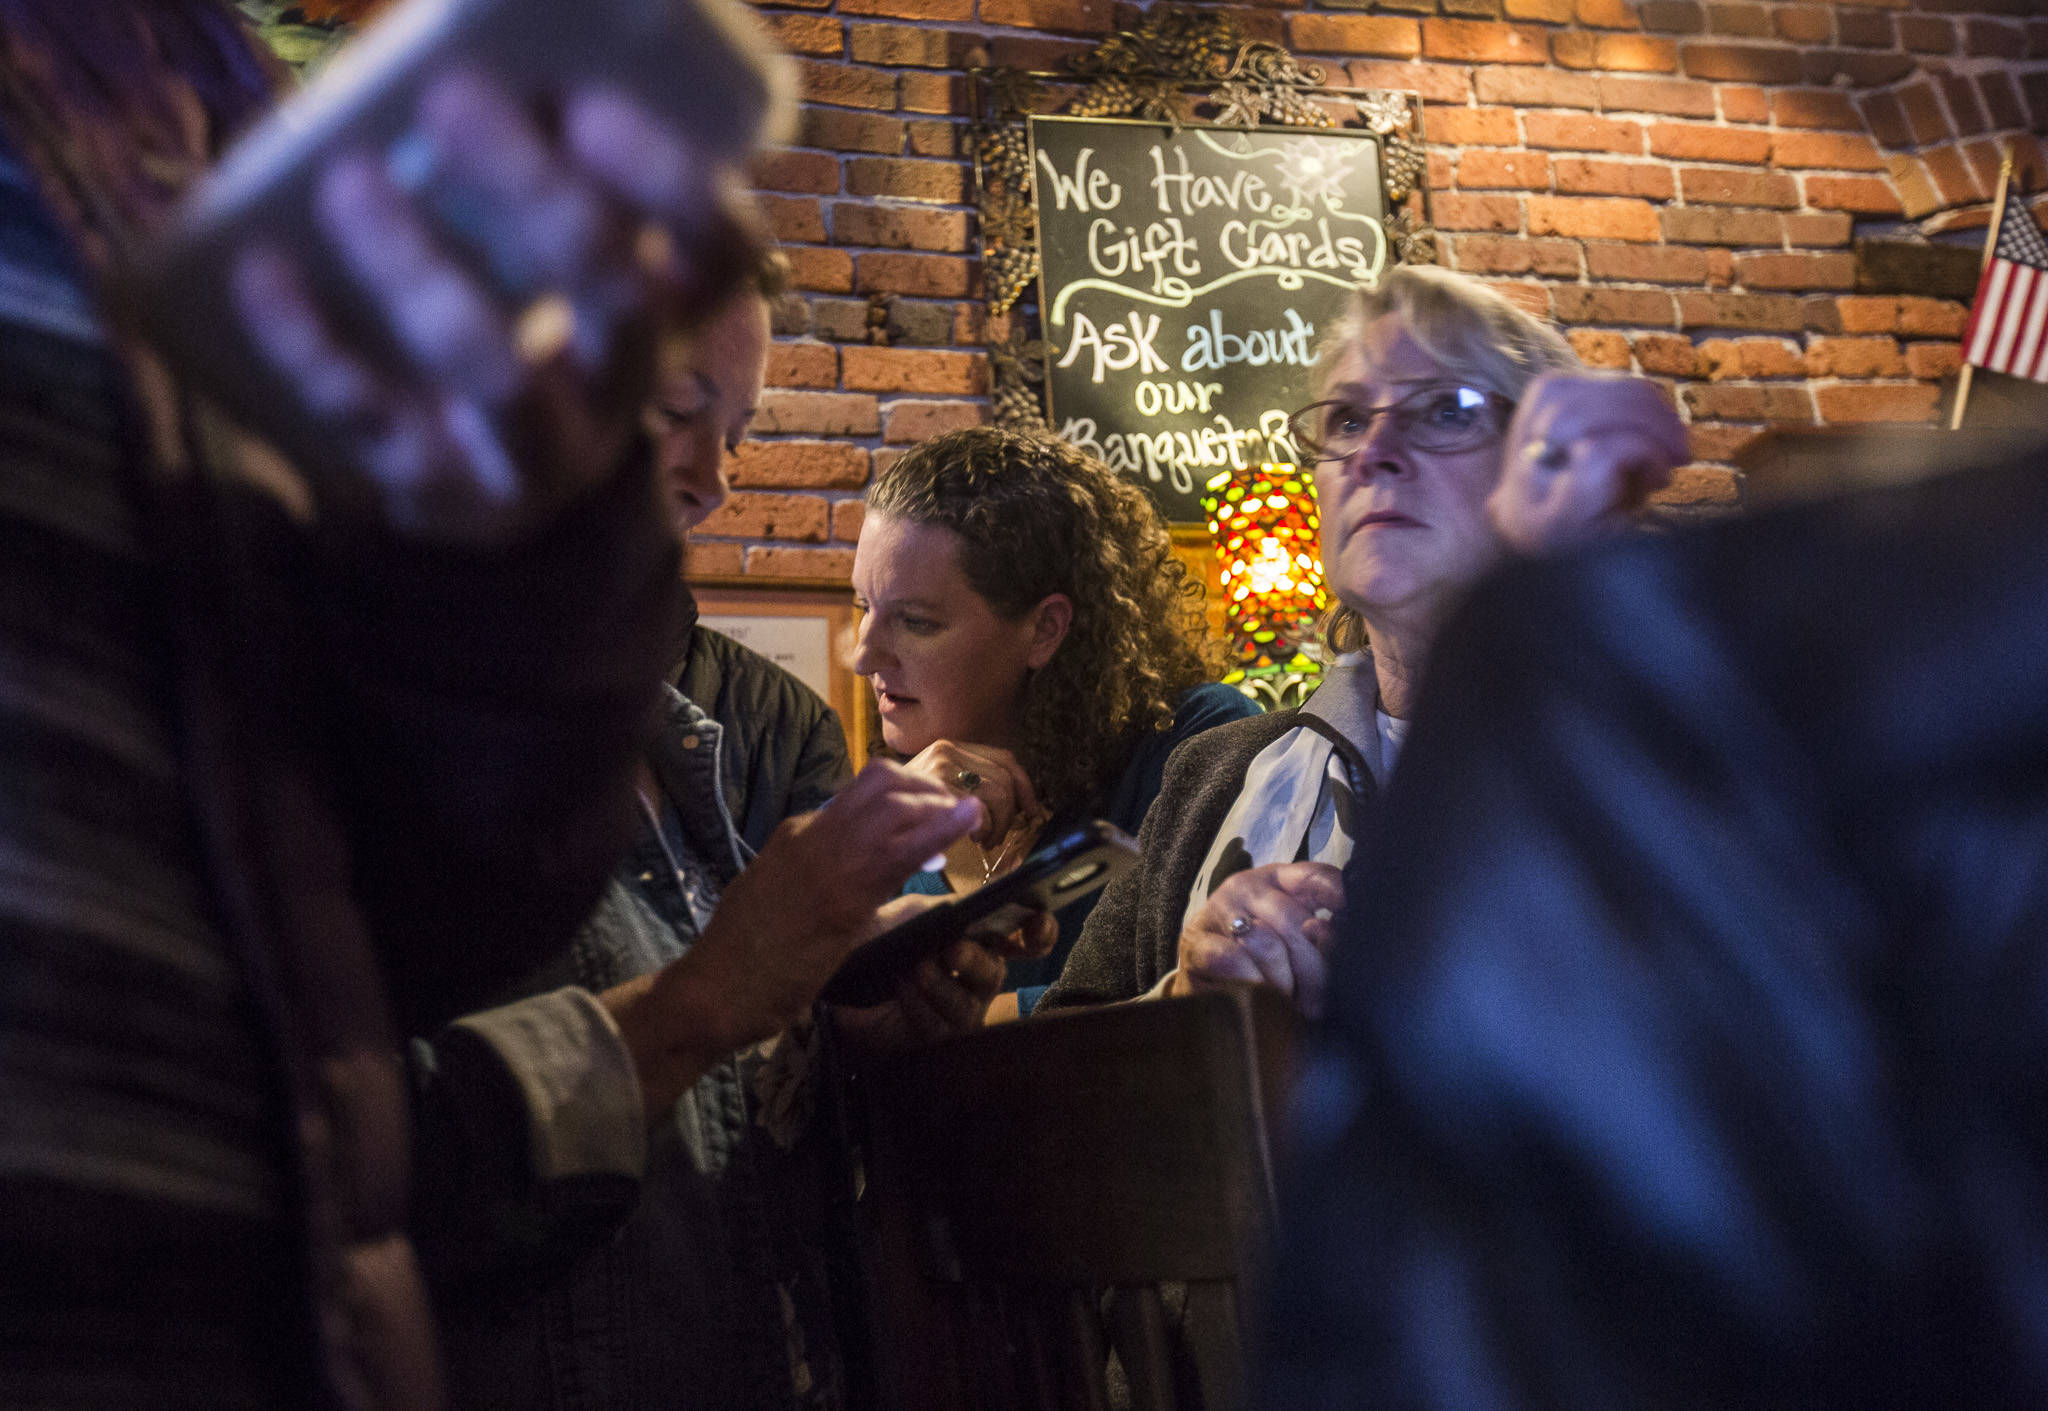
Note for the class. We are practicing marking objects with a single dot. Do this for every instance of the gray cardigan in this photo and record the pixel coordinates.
(1132, 939)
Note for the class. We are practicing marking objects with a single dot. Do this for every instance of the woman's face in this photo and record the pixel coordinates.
(704, 399)
(943, 663)
(1404, 531)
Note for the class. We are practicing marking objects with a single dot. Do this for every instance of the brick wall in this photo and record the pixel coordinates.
(1680, 183)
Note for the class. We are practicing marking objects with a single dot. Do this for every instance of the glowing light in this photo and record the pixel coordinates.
(1264, 522)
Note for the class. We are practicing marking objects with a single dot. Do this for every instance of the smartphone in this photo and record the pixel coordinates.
(705, 65)
(1080, 861)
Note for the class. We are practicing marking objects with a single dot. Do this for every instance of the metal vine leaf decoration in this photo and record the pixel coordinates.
(1178, 66)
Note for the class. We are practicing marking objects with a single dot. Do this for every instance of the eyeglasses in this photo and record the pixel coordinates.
(1443, 419)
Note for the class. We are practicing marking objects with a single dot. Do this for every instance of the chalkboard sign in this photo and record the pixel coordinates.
(1187, 277)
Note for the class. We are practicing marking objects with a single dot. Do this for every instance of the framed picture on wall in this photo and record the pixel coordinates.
(807, 629)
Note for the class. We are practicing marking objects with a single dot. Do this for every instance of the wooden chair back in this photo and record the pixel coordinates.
(1043, 1193)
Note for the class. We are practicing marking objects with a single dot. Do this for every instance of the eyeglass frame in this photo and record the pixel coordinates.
(1504, 407)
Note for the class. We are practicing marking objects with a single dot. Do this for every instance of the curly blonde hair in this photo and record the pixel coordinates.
(1036, 516)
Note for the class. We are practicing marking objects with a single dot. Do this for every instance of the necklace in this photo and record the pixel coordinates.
(988, 868)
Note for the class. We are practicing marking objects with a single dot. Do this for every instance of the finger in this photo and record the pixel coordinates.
(937, 1005)
(1316, 885)
(976, 969)
(1311, 975)
(442, 320)
(283, 322)
(1211, 955)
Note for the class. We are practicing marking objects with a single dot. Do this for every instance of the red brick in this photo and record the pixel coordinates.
(933, 93)
(1924, 113)
(1714, 186)
(914, 370)
(1480, 42)
(924, 276)
(1458, 212)
(1864, 29)
(1720, 401)
(1815, 107)
(846, 86)
(1384, 35)
(1672, 16)
(817, 414)
(1655, 95)
(1642, 308)
(1608, 14)
(1836, 150)
(1533, 299)
(1804, 24)
(1058, 16)
(1933, 361)
(810, 465)
(1619, 53)
(1593, 218)
(898, 227)
(1493, 254)
(1705, 225)
(1031, 51)
(1600, 347)
(1528, 171)
(1740, 103)
(802, 365)
(846, 519)
(1442, 173)
(1714, 442)
(907, 179)
(1828, 228)
(797, 171)
(1571, 132)
(753, 514)
(703, 559)
(901, 45)
(1854, 357)
(1952, 176)
(1770, 357)
(819, 35)
(1861, 402)
(793, 218)
(1743, 63)
(1932, 318)
(1868, 314)
(1740, 19)
(934, 139)
(1666, 354)
(907, 421)
(778, 561)
(1866, 195)
(1836, 270)
(1436, 83)
(1473, 127)
(1543, 11)
(827, 271)
(1700, 487)
(1766, 313)
(1587, 176)
(1535, 88)
(1707, 142)
(848, 130)
(935, 11)
(1646, 264)
(1924, 34)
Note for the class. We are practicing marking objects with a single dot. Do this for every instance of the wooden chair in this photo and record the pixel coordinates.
(1029, 1190)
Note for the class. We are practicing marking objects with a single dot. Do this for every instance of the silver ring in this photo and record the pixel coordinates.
(1240, 925)
(967, 781)
(1549, 455)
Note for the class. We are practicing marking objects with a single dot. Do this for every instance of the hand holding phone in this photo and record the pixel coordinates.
(433, 281)
(1063, 870)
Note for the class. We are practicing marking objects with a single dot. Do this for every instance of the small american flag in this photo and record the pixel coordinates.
(2006, 325)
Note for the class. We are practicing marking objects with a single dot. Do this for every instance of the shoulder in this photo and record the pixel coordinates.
(736, 683)
(1208, 705)
(1232, 742)
(1202, 711)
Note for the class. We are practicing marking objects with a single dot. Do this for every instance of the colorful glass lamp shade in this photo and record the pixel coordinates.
(1264, 522)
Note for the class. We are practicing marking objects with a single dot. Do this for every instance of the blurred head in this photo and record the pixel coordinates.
(1416, 386)
(707, 389)
(1018, 592)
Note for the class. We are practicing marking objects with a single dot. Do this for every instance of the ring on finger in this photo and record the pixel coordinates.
(1240, 925)
(967, 780)
(1548, 455)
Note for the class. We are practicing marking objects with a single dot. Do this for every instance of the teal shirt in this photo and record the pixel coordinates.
(1125, 805)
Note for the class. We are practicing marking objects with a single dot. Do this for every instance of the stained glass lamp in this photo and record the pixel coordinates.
(1264, 522)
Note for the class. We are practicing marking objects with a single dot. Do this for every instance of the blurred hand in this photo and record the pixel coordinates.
(946, 996)
(490, 421)
(1584, 453)
(1267, 925)
(784, 925)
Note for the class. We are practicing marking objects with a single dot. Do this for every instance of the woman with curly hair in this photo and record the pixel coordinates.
(1031, 640)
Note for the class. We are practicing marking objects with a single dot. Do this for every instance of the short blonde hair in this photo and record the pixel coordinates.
(1477, 335)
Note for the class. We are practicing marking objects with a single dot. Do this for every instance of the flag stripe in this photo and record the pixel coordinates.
(2027, 355)
(1985, 318)
(2008, 318)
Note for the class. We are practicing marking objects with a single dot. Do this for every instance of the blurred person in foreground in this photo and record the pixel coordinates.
(1032, 642)
(695, 1253)
(295, 765)
(1451, 429)
(1685, 1040)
